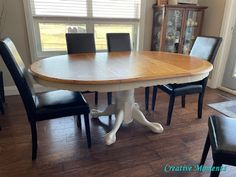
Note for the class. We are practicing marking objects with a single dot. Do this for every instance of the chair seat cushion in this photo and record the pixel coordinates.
(222, 133)
(181, 89)
(50, 102)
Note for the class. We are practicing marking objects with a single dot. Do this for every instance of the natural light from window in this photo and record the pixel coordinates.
(52, 35)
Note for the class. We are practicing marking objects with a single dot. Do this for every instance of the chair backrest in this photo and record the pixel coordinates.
(80, 43)
(118, 42)
(19, 74)
(206, 47)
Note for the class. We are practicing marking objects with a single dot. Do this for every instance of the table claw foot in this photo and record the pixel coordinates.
(156, 127)
(95, 113)
(139, 117)
(108, 111)
(110, 138)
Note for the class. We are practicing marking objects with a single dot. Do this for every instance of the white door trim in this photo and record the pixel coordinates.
(226, 34)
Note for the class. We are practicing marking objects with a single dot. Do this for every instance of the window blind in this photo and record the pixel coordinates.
(127, 9)
(70, 8)
(116, 8)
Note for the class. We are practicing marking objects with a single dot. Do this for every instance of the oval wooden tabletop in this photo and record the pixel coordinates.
(117, 67)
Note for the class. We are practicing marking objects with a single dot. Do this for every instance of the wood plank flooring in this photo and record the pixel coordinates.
(138, 152)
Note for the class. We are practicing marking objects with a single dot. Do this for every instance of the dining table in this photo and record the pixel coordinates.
(120, 73)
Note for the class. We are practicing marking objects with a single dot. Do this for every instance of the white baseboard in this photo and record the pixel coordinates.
(12, 90)
(233, 92)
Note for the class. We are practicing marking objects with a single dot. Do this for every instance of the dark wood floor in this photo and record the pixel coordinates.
(138, 152)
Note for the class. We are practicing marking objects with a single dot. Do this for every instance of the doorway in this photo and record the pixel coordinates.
(224, 71)
(229, 78)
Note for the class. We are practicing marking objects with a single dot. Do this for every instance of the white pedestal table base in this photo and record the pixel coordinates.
(125, 110)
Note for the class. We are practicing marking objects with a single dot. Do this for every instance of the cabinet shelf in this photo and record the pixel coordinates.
(192, 26)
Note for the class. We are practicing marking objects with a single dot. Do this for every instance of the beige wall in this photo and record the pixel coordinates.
(148, 25)
(213, 16)
(15, 27)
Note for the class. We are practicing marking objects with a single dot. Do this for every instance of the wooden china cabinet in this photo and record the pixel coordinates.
(175, 27)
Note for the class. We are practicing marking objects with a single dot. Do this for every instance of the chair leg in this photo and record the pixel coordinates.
(2, 87)
(216, 173)
(109, 98)
(79, 121)
(87, 128)
(170, 109)
(2, 95)
(146, 97)
(34, 140)
(205, 150)
(96, 98)
(183, 101)
(154, 96)
(200, 103)
(2, 106)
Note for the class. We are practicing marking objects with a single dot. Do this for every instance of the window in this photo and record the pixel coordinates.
(51, 19)
(100, 31)
(52, 35)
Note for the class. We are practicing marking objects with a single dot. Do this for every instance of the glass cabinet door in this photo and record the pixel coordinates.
(175, 27)
(192, 29)
(156, 37)
(173, 30)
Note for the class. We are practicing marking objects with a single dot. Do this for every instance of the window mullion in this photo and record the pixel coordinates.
(89, 23)
(89, 8)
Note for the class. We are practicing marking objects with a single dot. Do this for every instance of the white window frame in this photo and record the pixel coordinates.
(34, 36)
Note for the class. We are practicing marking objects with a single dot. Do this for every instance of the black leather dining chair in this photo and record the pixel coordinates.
(43, 106)
(221, 139)
(204, 47)
(118, 42)
(81, 43)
